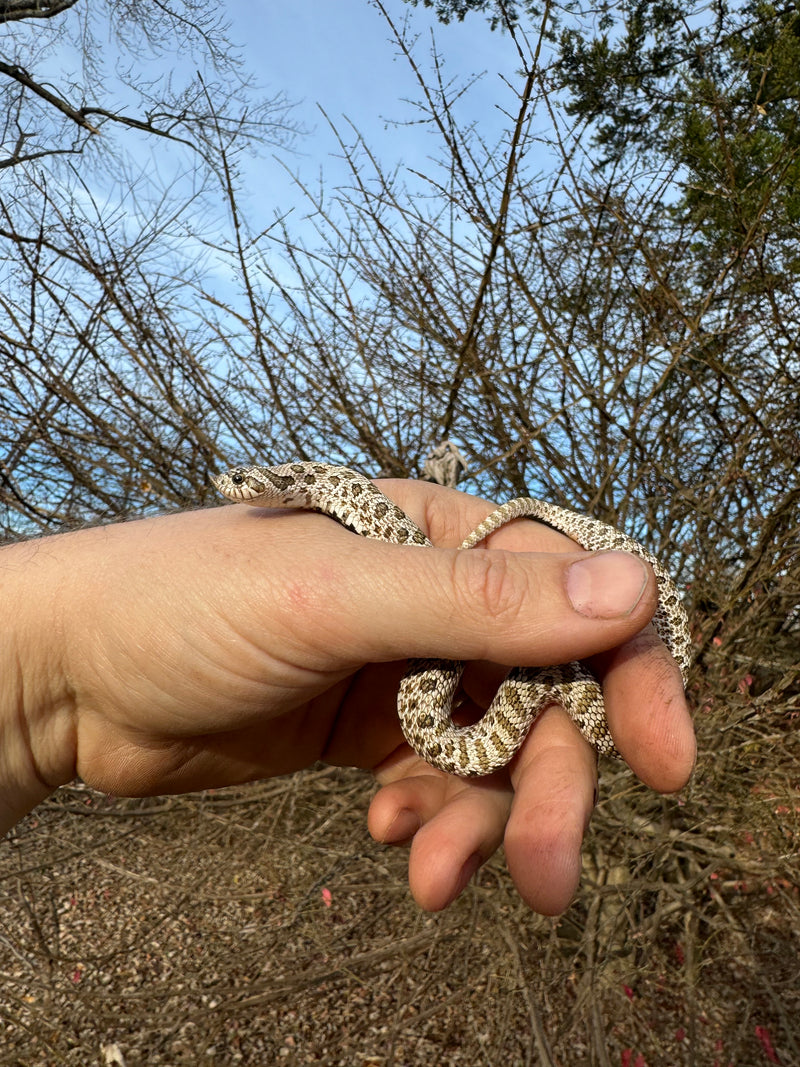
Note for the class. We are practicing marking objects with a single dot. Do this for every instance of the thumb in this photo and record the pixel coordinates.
(514, 608)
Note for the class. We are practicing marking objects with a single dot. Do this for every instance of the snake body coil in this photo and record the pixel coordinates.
(427, 691)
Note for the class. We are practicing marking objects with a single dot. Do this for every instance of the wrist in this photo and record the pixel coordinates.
(36, 753)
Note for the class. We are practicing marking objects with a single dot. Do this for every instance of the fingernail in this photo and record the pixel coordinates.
(607, 585)
(467, 871)
(402, 827)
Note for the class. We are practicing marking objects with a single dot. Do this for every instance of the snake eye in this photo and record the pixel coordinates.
(237, 478)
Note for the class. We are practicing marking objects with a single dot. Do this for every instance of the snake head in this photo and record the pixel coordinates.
(265, 487)
(242, 484)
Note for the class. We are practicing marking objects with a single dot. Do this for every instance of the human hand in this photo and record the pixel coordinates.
(214, 647)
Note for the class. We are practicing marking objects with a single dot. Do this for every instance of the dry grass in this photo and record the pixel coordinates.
(262, 926)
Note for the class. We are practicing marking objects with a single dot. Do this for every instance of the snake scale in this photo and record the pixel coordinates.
(427, 692)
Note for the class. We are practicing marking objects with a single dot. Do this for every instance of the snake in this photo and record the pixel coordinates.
(428, 689)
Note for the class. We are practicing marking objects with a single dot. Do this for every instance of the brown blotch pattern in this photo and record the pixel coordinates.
(426, 695)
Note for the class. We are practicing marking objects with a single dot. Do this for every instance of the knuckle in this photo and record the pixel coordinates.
(662, 670)
(488, 585)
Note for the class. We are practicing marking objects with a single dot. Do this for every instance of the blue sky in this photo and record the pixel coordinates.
(334, 53)
(337, 53)
(340, 55)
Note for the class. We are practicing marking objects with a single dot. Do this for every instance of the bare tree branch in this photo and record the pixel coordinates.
(20, 75)
(13, 10)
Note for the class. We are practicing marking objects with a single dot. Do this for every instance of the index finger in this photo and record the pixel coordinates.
(643, 691)
(647, 711)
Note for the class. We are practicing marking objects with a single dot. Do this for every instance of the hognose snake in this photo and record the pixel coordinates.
(427, 691)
